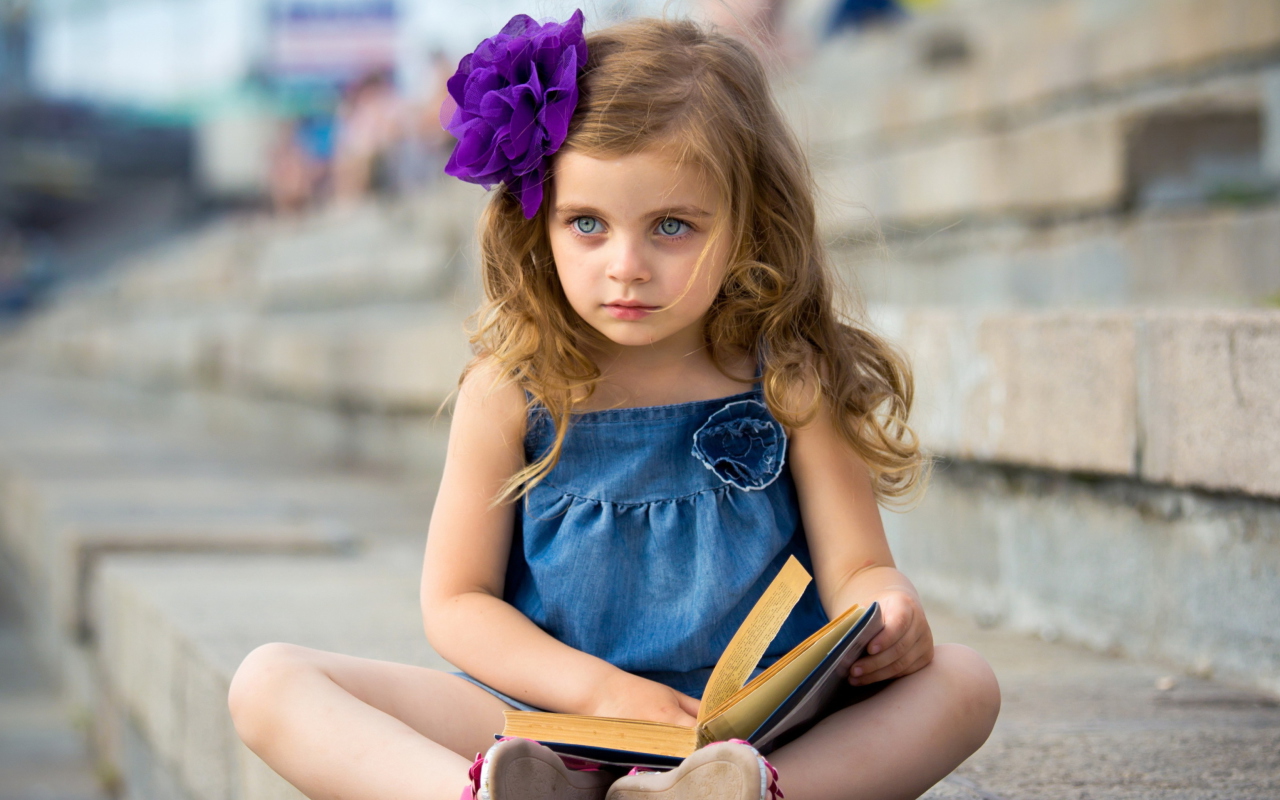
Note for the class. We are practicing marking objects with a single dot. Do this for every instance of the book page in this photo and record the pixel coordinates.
(636, 735)
(753, 637)
(742, 718)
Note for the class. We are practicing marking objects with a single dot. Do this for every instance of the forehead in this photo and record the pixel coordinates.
(631, 185)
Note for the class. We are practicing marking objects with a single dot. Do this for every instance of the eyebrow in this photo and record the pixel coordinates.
(674, 211)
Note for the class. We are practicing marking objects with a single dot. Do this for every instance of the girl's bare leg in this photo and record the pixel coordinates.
(900, 741)
(337, 726)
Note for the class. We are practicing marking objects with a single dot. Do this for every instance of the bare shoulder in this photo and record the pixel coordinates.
(817, 442)
(489, 412)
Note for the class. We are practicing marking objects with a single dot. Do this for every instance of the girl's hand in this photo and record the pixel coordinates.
(904, 646)
(629, 696)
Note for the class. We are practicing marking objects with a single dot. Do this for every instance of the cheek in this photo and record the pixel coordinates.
(704, 286)
(574, 276)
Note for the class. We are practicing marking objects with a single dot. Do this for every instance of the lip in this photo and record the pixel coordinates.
(629, 310)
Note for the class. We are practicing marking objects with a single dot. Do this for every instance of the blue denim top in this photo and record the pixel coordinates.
(657, 531)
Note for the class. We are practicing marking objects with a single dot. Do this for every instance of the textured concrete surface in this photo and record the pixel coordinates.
(1186, 257)
(1184, 397)
(1076, 724)
(1189, 578)
(44, 753)
(1029, 60)
(986, 174)
(1211, 401)
(172, 627)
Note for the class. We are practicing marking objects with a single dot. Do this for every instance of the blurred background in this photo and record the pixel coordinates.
(233, 282)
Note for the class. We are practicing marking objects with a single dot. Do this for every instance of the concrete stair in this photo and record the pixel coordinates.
(169, 626)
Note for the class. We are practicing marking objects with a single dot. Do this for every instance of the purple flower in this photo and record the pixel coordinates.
(515, 95)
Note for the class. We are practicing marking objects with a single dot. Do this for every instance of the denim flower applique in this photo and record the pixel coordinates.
(743, 444)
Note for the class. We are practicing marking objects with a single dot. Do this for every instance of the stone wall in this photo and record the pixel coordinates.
(1066, 213)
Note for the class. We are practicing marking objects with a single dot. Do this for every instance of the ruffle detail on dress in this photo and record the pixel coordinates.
(742, 444)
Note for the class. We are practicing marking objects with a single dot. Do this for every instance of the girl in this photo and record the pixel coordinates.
(664, 406)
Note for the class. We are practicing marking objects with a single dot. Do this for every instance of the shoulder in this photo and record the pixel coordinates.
(817, 440)
(489, 399)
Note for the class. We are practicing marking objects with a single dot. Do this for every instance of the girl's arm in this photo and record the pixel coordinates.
(465, 618)
(851, 559)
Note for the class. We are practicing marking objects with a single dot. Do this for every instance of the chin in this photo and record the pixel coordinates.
(633, 339)
(628, 334)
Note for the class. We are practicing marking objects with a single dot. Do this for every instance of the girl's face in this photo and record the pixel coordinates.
(627, 234)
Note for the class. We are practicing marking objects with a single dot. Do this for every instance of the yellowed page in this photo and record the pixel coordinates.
(741, 718)
(855, 611)
(620, 734)
(753, 637)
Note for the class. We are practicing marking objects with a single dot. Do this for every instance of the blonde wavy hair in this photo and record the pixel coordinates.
(670, 84)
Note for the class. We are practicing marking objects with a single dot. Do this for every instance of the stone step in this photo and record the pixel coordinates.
(1178, 397)
(176, 627)
(76, 486)
(285, 435)
(42, 753)
(412, 249)
(1225, 257)
(1076, 162)
(1077, 724)
(389, 358)
(1121, 386)
(1187, 578)
(1028, 60)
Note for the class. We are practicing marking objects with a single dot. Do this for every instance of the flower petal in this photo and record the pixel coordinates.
(515, 95)
(742, 444)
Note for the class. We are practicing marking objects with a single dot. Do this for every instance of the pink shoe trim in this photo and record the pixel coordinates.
(578, 764)
(472, 789)
(769, 789)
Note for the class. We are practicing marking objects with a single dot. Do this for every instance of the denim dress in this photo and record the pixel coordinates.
(657, 531)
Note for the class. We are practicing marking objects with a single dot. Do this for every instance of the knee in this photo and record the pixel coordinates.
(257, 686)
(972, 685)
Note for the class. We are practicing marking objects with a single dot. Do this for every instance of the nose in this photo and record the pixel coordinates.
(627, 262)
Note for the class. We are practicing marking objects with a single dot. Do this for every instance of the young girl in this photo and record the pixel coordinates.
(664, 406)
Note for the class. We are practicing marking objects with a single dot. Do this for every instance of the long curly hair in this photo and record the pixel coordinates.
(705, 96)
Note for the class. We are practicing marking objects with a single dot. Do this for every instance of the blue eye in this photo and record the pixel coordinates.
(586, 225)
(672, 227)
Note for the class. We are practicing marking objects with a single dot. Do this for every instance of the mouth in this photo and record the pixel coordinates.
(630, 304)
(629, 310)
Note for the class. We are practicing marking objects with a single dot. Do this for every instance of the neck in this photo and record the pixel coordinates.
(663, 373)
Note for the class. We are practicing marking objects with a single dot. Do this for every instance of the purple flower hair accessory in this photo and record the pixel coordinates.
(514, 97)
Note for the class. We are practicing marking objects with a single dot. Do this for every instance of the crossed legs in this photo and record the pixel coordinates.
(337, 726)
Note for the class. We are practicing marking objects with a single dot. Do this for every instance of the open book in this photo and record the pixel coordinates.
(797, 690)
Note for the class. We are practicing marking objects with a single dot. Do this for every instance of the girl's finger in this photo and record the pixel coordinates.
(885, 640)
(689, 705)
(896, 625)
(686, 719)
(867, 665)
(911, 661)
(895, 669)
